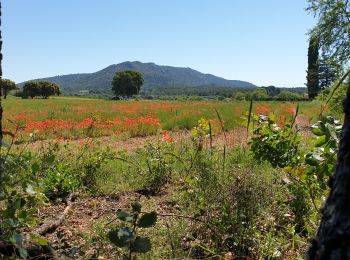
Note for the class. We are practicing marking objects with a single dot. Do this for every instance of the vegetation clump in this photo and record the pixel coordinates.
(40, 88)
(127, 83)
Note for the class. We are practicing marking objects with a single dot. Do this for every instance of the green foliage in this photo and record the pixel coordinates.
(127, 236)
(289, 96)
(336, 102)
(89, 165)
(310, 178)
(328, 72)
(324, 94)
(6, 86)
(60, 177)
(31, 89)
(19, 196)
(202, 131)
(160, 162)
(257, 94)
(312, 84)
(238, 95)
(40, 88)
(127, 83)
(332, 27)
(272, 91)
(322, 159)
(59, 180)
(275, 144)
(49, 89)
(233, 207)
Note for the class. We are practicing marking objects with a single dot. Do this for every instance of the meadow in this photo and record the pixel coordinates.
(202, 195)
(70, 118)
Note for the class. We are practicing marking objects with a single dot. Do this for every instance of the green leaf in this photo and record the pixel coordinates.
(317, 131)
(22, 214)
(141, 245)
(19, 203)
(310, 171)
(39, 239)
(124, 216)
(136, 207)
(23, 253)
(310, 160)
(35, 167)
(321, 141)
(121, 236)
(15, 238)
(148, 220)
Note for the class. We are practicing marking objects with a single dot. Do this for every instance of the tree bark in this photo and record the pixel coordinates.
(1, 109)
(333, 236)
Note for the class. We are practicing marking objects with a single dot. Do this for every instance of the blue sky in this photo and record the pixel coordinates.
(261, 41)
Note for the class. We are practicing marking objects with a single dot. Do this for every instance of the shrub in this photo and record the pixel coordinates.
(159, 166)
(60, 177)
(235, 206)
(127, 236)
(275, 144)
(19, 197)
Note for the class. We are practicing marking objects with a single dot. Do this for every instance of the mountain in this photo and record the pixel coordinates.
(155, 76)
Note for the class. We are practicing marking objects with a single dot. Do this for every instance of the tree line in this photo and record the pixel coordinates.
(40, 88)
(30, 89)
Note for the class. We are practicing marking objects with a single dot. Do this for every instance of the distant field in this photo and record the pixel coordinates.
(78, 118)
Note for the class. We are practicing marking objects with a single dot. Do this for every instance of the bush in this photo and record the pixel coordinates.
(158, 165)
(127, 237)
(236, 206)
(275, 144)
(59, 178)
(336, 102)
(19, 198)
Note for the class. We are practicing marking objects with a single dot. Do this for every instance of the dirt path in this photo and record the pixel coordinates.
(236, 137)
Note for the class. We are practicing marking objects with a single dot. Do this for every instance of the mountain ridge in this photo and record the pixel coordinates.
(155, 76)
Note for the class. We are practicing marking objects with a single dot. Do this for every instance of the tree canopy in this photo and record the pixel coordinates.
(49, 89)
(332, 28)
(329, 71)
(41, 88)
(6, 86)
(127, 83)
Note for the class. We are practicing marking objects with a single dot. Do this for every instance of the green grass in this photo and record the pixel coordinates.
(172, 114)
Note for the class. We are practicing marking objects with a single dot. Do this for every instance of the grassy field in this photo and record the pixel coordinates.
(69, 118)
(213, 198)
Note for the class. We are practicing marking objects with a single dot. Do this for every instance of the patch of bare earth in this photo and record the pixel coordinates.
(71, 235)
(236, 137)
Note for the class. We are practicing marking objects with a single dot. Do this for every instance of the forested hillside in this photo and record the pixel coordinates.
(155, 77)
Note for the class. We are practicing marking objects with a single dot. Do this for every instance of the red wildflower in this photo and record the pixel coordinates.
(167, 137)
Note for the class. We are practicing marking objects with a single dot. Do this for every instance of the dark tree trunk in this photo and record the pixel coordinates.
(1, 109)
(333, 237)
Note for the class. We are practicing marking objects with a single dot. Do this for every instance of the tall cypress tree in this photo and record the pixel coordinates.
(312, 71)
